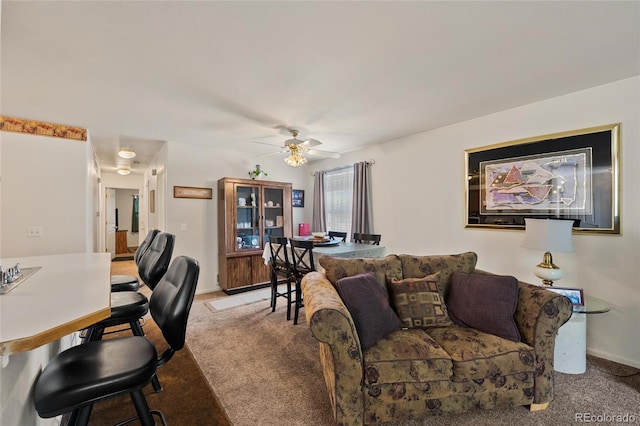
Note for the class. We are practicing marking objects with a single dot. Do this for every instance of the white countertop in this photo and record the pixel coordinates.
(68, 293)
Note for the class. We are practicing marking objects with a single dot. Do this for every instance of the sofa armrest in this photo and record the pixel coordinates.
(340, 352)
(539, 315)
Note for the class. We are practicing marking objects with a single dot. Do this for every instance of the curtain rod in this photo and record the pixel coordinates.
(371, 161)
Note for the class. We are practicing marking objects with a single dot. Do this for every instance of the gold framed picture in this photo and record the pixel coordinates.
(571, 175)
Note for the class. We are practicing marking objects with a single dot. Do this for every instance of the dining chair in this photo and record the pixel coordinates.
(302, 259)
(373, 239)
(281, 272)
(85, 374)
(334, 235)
(131, 282)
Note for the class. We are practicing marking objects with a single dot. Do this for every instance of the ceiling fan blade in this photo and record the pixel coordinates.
(311, 142)
(271, 153)
(319, 152)
(269, 144)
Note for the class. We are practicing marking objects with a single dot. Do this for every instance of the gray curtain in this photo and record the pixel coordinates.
(362, 214)
(318, 222)
(135, 214)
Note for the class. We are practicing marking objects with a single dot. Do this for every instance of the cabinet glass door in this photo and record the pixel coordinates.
(247, 218)
(273, 212)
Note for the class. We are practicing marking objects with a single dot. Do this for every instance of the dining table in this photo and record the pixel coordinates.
(335, 249)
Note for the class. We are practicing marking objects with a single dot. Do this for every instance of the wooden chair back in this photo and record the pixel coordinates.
(337, 235)
(280, 263)
(302, 257)
(373, 239)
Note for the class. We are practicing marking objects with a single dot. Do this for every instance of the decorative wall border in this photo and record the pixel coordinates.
(42, 128)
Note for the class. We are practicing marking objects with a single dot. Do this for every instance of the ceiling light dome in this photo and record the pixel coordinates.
(124, 171)
(127, 153)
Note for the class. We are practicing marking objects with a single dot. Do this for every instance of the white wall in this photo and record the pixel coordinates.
(419, 204)
(46, 183)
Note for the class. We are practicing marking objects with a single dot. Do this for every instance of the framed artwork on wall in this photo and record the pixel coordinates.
(152, 201)
(298, 198)
(571, 175)
(192, 192)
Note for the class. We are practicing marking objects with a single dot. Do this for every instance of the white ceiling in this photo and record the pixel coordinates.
(346, 73)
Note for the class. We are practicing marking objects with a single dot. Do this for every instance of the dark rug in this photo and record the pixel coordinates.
(185, 399)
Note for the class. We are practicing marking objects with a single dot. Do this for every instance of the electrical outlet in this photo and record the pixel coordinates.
(183, 227)
(34, 231)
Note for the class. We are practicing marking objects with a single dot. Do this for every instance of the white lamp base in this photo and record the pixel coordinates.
(548, 276)
(547, 271)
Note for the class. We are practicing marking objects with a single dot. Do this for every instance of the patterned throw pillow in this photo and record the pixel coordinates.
(418, 302)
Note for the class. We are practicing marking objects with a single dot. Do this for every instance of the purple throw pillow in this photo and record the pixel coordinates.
(368, 303)
(484, 302)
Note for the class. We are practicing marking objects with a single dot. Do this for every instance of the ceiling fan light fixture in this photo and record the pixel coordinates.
(124, 171)
(127, 153)
(295, 159)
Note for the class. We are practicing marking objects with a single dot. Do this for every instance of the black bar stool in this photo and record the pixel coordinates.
(131, 282)
(82, 375)
(128, 307)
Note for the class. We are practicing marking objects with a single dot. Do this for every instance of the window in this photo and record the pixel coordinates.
(338, 199)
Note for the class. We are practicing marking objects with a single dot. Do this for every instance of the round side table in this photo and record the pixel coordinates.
(570, 354)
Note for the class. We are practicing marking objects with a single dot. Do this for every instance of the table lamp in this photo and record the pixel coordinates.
(548, 235)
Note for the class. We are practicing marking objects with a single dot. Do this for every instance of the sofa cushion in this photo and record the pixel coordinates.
(406, 356)
(418, 302)
(421, 266)
(484, 302)
(340, 267)
(477, 355)
(368, 304)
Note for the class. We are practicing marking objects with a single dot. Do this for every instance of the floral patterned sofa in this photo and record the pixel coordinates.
(414, 372)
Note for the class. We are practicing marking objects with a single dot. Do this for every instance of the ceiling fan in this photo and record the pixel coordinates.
(297, 149)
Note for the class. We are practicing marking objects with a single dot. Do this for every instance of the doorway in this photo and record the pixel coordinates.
(122, 211)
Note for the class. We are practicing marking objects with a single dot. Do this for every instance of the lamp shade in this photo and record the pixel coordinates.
(548, 235)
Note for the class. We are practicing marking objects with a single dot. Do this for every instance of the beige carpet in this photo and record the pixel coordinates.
(266, 371)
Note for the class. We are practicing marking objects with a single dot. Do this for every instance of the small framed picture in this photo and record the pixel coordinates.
(576, 295)
(192, 192)
(298, 198)
(152, 201)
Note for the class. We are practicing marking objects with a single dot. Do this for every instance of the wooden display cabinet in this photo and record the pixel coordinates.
(248, 212)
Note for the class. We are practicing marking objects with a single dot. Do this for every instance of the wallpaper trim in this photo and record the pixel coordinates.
(42, 128)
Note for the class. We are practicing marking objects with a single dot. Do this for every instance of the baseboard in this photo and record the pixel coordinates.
(208, 290)
(615, 358)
